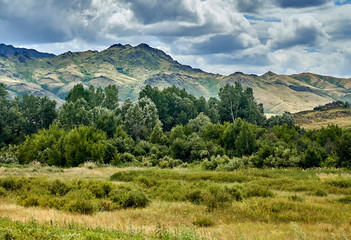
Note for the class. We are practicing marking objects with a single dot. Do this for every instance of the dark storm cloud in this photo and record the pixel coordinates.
(307, 36)
(256, 6)
(340, 29)
(250, 6)
(154, 11)
(256, 60)
(297, 30)
(219, 44)
(300, 3)
(39, 21)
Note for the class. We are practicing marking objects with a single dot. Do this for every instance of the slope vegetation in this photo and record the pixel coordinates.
(131, 68)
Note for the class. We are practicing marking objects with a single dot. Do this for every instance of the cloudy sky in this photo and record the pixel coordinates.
(219, 36)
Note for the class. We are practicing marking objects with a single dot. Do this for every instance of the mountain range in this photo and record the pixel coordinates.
(132, 68)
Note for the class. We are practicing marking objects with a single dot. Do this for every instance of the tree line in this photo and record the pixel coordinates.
(163, 128)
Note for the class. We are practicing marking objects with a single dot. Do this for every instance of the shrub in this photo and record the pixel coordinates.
(123, 158)
(8, 155)
(2, 192)
(81, 201)
(168, 162)
(147, 181)
(233, 164)
(203, 222)
(235, 192)
(58, 188)
(341, 183)
(195, 196)
(320, 193)
(258, 191)
(216, 197)
(346, 200)
(107, 205)
(125, 197)
(30, 201)
(82, 206)
(100, 189)
(12, 184)
(296, 198)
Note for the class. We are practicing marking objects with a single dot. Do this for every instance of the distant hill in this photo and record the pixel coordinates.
(332, 113)
(11, 50)
(131, 68)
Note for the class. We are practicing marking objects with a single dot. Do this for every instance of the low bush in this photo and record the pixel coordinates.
(127, 197)
(195, 197)
(296, 198)
(341, 183)
(81, 201)
(258, 191)
(346, 200)
(320, 193)
(216, 197)
(233, 164)
(2, 192)
(203, 222)
(82, 206)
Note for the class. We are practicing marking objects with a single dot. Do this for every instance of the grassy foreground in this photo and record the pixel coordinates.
(40, 203)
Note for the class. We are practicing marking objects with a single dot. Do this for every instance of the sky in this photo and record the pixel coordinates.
(218, 36)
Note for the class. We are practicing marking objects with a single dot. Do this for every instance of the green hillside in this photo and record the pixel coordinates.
(131, 68)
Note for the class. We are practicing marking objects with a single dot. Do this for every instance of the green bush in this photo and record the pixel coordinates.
(123, 158)
(8, 155)
(258, 191)
(100, 189)
(2, 192)
(82, 206)
(235, 192)
(216, 197)
(30, 201)
(320, 193)
(168, 162)
(203, 222)
(11, 183)
(81, 201)
(59, 188)
(147, 181)
(346, 200)
(233, 164)
(296, 198)
(126, 197)
(341, 183)
(195, 197)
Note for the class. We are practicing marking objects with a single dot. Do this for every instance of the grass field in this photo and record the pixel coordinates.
(182, 203)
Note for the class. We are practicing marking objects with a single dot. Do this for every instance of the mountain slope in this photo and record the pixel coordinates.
(11, 50)
(131, 68)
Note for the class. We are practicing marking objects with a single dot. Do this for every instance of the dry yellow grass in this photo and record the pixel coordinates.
(230, 223)
(344, 122)
(174, 216)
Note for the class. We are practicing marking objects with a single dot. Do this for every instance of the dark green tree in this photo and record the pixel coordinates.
(343, 150)
(84, 144)
(73, 114)
(10, 120)
(111, 98)
(37, 112)
(235, 102)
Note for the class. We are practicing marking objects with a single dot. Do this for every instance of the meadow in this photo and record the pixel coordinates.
(103, 202)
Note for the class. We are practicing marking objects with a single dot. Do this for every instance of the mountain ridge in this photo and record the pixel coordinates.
(131, 68)
(11, 50)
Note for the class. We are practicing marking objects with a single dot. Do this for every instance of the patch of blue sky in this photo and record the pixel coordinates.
(313, 50)
(254, 18)
(342, 2)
